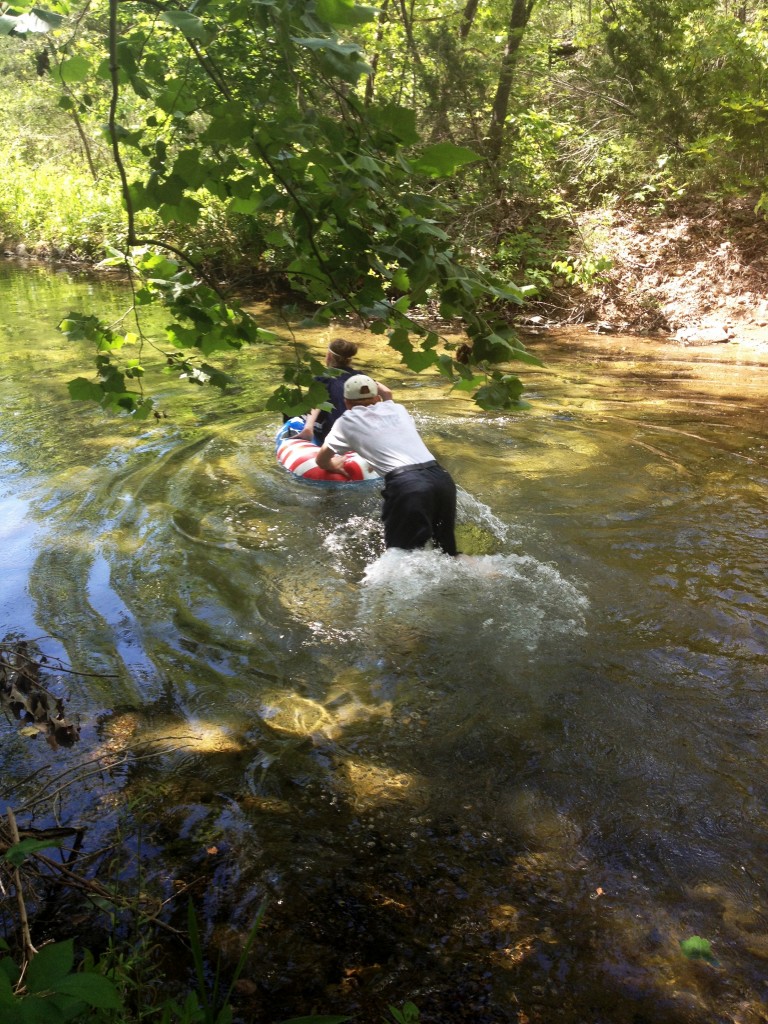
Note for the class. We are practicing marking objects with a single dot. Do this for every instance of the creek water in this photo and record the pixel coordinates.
(505, 787)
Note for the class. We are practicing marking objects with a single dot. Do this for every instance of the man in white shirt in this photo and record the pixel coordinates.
(419, 495)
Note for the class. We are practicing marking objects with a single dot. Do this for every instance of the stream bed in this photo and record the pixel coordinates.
(506, 787)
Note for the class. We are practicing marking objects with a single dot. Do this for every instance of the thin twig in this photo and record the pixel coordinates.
(105, 767)
(96, 889)
(26, 935)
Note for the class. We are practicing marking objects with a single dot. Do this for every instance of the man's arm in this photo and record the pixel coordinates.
(328, 460)
(385, 393)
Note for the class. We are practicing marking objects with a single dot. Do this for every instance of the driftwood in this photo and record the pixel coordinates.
(25, 697)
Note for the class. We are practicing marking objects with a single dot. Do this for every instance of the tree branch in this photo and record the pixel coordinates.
(26, 935)
(114, 68)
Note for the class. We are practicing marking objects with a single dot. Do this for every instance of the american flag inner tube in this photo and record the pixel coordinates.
(298, 457)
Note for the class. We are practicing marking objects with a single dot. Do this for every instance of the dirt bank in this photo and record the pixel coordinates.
(690, 272)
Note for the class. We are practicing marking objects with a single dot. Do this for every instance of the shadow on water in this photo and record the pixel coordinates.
(505, 786)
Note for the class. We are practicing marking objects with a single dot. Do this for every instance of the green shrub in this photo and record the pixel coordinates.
(52, 990)
(52, 211)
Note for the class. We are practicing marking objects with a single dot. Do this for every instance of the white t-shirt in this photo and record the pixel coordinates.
(384, 434)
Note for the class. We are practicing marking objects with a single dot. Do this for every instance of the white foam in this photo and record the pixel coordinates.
(469, 509)
(497, 604)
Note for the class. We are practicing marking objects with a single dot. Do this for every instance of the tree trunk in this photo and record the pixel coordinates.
(409, 37)
(371, 79)
(467, 18)
(518, 21)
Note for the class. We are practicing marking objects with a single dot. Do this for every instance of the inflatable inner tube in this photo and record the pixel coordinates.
(298, 457)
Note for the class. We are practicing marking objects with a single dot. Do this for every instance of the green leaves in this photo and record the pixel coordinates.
(189, 24)
(92, 989)
(110, 389)
(503, 391)
(342, 59)
(18, 853)
(697, 948)
(256, 137)
(50, 966)
(408, 1015)
(344, 12)
(9, 974)
(398, 121)
(55, 992)
(415, 359)
(495, 348)
(83, 390)
(76, 69)
(443, 159)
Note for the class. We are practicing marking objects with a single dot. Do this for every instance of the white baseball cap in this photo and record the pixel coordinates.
(359, 387)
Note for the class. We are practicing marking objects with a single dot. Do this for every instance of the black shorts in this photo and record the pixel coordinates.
(420, 506)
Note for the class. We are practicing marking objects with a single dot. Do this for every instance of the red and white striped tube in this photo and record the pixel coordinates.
(298, 457)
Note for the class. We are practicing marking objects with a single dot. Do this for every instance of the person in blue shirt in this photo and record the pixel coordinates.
(338, 357)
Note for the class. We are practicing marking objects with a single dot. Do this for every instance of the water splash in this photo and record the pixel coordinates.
(359, 538)
(489, 607)
(470, 510)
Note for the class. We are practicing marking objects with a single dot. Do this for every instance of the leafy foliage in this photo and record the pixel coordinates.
(697, 948)
(409, 1014)
(340, 152)
(258, 110)
(52, 990)
(50, 987)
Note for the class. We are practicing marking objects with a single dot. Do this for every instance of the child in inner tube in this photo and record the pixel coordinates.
(318, 422)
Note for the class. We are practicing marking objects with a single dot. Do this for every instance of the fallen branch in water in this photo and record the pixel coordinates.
(24, 695)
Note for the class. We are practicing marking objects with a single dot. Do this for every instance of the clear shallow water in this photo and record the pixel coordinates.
(504, 787)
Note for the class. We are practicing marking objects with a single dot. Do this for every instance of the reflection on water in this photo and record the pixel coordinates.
(511, 782)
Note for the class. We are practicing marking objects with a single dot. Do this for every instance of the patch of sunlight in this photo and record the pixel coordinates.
(740, 919)
(299, 716)
(504, 915)
(662, 472)
(474, 515)
(515, 953)
(564, 459)
(349, 697)
(195, 736)
(373, 786)
(540, 823)
(473, 540)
